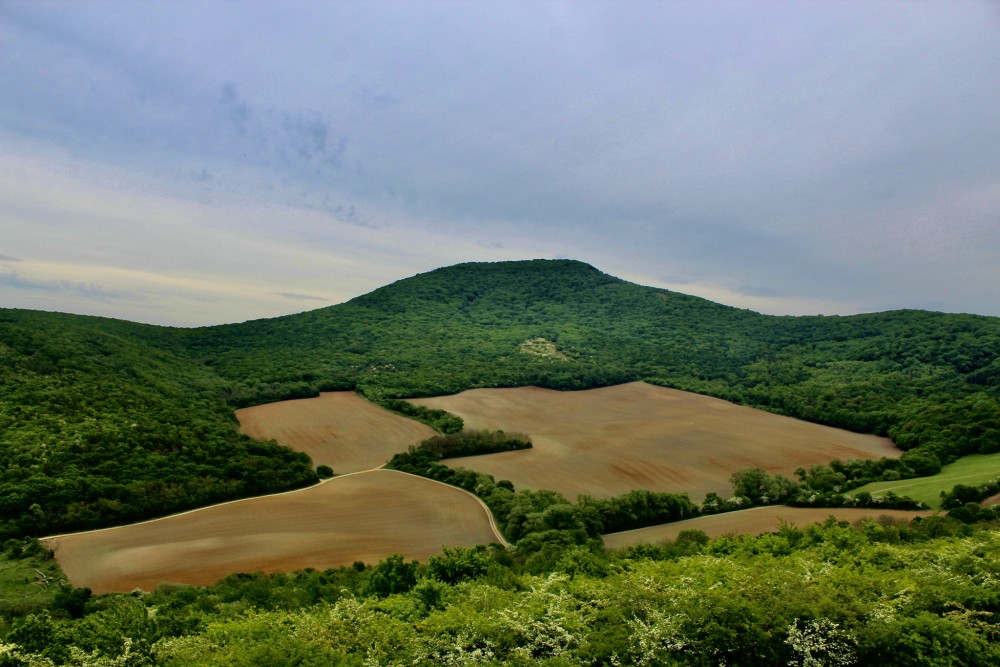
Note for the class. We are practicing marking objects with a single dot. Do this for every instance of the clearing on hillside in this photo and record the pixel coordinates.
(363, 517)
(609, 441)
(338, 429)
(754, 521)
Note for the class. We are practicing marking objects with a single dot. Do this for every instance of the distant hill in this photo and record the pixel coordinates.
(104, 421)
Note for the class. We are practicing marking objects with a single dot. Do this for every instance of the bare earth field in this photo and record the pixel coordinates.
(366, 517)
(609, 441)
(755, 521)
(339, 429)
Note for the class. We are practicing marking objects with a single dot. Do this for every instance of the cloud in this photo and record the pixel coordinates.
(87, 291)
(776, 154)
(300, 297)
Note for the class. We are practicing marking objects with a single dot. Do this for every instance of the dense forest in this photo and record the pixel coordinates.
(105, 422)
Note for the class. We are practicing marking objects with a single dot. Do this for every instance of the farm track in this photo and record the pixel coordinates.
(486, 508)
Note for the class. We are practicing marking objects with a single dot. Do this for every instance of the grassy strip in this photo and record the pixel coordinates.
(971, 470)
(29, 578)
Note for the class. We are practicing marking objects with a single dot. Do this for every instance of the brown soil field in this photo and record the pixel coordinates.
(338, 429)
(609, 441)
(991, 501)
(365, 516)
(755, 521)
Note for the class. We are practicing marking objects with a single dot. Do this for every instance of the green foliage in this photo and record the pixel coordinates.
(436, 419)
(761, 487)
(962, 494)
(637, 509)
(106, 422)
(393, 575)
(884, 593)
(474, 443)
(458, 564)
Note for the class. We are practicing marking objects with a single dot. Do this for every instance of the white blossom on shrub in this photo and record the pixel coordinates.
(660, 633)
(821, 643)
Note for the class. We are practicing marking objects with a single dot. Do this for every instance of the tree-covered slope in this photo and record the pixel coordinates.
(559, 323)
(105, 421)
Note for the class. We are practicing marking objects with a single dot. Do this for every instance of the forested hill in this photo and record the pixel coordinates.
(104, 421)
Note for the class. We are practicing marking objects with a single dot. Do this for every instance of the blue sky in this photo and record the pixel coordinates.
(193, 163)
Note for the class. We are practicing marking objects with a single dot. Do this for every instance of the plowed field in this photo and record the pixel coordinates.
(339, 429)
(365, 517)
(756, 521)
(609, 441)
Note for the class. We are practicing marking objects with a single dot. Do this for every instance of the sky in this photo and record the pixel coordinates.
(193, 163)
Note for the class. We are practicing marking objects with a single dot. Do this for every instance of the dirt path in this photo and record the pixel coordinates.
(486, 508)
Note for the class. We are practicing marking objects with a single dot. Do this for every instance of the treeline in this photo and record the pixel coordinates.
(473, 443)
(879, 592)
(439, 420)
(963, 494)
(820, 486)
(964, 502)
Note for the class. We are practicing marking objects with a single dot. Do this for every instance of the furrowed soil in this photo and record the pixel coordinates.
(362, 517)
(609, 441)
(338, 429)
(755, 521)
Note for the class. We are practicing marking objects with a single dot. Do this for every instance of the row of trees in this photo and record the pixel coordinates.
(474, 443)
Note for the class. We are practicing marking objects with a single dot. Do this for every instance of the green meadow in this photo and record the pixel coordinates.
(969, 470)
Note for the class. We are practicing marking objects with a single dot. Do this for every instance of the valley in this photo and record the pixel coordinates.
(600, 442)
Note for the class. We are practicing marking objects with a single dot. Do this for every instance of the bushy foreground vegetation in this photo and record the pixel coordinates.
(105, 422)
(879, 593)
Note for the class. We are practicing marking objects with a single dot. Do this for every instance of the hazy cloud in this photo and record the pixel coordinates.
(784, 156)
(301, 297)
(89, 292)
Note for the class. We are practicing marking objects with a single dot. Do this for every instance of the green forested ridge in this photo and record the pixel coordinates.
(104, 421)
(878, 593)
